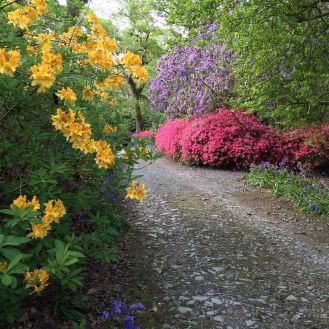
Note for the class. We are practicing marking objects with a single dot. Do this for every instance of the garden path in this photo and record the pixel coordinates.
(212, 252)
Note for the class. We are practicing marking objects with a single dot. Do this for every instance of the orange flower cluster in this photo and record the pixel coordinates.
(9, 61)
(136, 191)
(43, 74)
(54, 210)
(78, 132)
(22, 202)
(133, 64)
(38, 280)
(109, 129)
(25, 16)
(67, 95)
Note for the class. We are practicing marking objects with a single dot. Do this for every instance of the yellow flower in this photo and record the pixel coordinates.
(37, 280)
(17, 18)
(88, 146)
(113, 81)
(67, 95)
(99, 58)
(40, 6)
(104, 155)
(136, 191)
(3, 266)
(9, 61)
(79, 133)
(22, 202)
(87, 93)
(54, 210)
(103, 95)
(142, 150)
(51, 59)
(79, 48)
(31, 50)
(73, 33)
(62, 121)
(43, 75)
(39, 231)
(131, 59)
(112, 102)
(140, 73)
(128, 156)
(46, 38)
(109, 129)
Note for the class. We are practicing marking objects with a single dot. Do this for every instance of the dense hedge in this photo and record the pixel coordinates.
(238, 139)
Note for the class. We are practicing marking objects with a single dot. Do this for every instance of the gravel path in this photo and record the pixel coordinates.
(214, 253)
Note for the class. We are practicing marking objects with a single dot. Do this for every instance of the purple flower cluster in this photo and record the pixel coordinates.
(122, 313)
(193, 79)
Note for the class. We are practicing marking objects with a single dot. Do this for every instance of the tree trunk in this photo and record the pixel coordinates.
(138, 116)
(74, 8)
(137, 92)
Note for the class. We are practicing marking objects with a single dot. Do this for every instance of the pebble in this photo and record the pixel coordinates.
(184, 310)
(250, 323)
(200, 298)
(216, 301)
(257, 301)
(291, 298)
(219, 318)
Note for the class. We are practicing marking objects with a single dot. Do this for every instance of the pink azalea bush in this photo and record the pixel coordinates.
(168, 137)
(146, 133)
(309, 146)
(238, 139)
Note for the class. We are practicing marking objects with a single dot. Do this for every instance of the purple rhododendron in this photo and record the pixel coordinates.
(193, 79)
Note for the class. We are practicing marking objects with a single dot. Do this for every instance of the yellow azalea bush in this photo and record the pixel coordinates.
(62, 133)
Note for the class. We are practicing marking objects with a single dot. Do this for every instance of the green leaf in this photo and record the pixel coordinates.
(70, 262)
(14, 262)
(12, 240)
(6, 280)
(8, 212)
(10, 252)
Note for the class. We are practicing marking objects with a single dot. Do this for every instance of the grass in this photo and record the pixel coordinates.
(309, 192)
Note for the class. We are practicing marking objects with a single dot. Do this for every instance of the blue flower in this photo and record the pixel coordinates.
(117, 307)
(128, 322)
(137, 306)
(106, 315)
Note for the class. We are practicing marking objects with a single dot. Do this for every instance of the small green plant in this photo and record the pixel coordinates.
(308, 192)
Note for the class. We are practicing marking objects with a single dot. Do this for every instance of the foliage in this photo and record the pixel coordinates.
(61, 73)
(280, 52)
(237, 140)
(26, 242)
(142, 35)
(194, 78)
(309, 193)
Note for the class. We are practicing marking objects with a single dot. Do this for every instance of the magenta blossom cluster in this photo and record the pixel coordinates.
(145, 133)
(238, 140)
(193, 79)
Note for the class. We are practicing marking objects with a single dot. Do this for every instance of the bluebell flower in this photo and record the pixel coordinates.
(117, 307)
(317, 209)
(128, 322)
(137, 306)
(106, 315)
